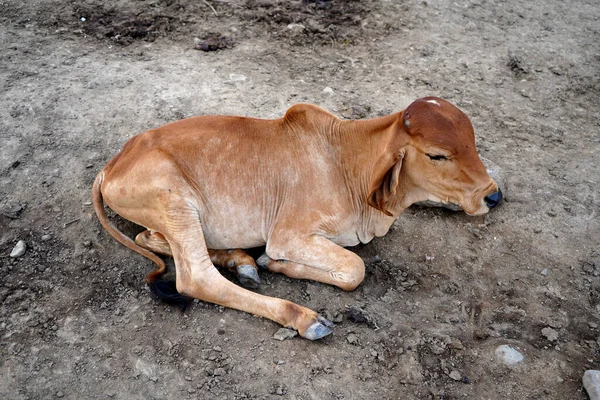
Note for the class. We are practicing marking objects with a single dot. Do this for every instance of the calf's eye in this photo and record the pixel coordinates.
(437, 157)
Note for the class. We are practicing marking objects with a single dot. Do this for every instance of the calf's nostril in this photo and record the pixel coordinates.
(493, 199)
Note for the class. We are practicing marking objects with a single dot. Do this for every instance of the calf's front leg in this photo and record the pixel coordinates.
(313, 257)
(197, 277)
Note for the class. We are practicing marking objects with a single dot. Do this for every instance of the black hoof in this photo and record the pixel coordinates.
(248, 276)
(166, 291)
(319, 329)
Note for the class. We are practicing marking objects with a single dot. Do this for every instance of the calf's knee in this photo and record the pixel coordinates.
(350, 279)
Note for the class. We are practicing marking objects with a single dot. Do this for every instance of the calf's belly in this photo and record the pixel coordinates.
(233, 230)
(221, 240)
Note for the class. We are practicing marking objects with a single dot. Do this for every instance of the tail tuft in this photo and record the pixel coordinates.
(166, 291)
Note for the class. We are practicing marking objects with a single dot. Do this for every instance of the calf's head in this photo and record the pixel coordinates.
(431, 155)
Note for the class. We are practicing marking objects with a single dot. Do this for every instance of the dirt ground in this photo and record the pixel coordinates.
(442, 291)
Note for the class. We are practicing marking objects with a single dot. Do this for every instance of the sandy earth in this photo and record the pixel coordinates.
(78, 78)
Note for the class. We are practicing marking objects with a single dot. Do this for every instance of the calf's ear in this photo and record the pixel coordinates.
(384, 182)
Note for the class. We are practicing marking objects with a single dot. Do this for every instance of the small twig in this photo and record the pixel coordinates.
(70, 222)
(211, 7)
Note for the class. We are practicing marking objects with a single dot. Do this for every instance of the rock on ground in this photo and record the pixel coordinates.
(550, 334)
(284, 333)
(591, 383)
(19, 249)
(508, 356)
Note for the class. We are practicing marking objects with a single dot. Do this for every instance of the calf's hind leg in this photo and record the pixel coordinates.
(154, 241)
(236, 261)
(197, 277)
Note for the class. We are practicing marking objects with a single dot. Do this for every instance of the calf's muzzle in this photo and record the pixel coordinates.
(493, 199)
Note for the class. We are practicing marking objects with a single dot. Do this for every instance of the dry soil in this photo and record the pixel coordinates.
(442, 291)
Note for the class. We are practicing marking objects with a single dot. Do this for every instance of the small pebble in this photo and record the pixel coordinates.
(352, 338)
(457, 344)
(592, 325)
(284, 333)
(591, 383)
(411, 248)
(45, 238)
(296, 28)
(19, 249)
(508, 355)
(544, 272)
(550, 334)
(328, 91)
(455, 375)
(219, 372)
(429, 258)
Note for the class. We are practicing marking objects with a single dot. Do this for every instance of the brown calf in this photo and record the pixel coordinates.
(305, 185)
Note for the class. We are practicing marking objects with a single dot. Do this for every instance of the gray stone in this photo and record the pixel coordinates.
(591, 383)
(19, 249)
(550, 334)
(352, 338)
(296, 28)
(280, 390)
(455, 375)
(284, 333)
(508, 355)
